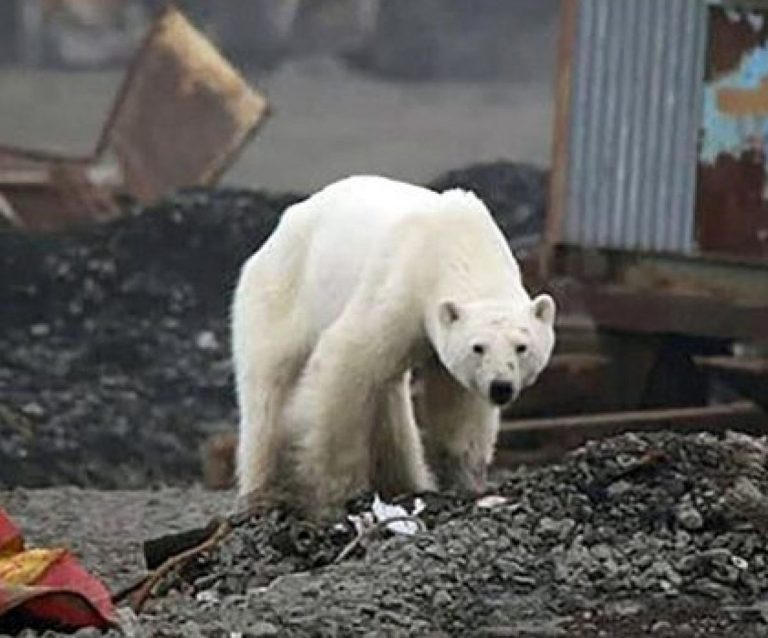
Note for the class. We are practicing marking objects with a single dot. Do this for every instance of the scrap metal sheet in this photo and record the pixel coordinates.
(732, 189)
(182, 114)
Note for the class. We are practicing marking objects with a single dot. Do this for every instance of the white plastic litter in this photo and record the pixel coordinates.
(492, 500)
(384, 511)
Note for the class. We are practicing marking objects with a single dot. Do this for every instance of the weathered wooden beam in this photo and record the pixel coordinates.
(621, 308)
(538, 441)
(744, 416)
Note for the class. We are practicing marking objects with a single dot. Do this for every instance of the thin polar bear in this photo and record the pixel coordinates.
(359, 285)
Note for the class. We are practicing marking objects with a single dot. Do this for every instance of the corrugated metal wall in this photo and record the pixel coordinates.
(635, 112)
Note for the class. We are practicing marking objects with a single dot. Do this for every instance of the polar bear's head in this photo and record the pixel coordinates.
(496, 349)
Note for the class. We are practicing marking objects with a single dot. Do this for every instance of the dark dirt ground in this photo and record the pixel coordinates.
(114, 356)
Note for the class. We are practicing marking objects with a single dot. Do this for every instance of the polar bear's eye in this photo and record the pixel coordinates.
(478, 348)
(521, 349)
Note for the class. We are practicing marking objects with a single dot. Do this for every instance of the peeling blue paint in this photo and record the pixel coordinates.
(724, 133)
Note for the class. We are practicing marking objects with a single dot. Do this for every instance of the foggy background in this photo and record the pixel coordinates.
(396, 87)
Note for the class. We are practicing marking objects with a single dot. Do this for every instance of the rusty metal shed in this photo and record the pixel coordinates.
(659, 187)
(662, 127)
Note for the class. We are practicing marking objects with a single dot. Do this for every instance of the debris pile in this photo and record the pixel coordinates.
(179, 119)
(114, 361)
(114, 345)
(660, 533)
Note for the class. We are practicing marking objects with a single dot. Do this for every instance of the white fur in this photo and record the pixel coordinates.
(358, 285)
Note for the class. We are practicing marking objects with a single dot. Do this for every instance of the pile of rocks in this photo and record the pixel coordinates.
(654, 532)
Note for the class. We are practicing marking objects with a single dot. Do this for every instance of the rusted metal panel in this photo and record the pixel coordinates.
(182, 113)
(635, 100)
(732, 190)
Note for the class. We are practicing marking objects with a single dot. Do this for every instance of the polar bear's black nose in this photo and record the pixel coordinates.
(501, 392)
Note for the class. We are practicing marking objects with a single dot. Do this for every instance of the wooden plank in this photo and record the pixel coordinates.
(748, 365)
(622, 308)
(744, 416)
(558, 184)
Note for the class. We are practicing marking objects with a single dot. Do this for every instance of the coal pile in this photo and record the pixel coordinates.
(114, 360)
(516, 195)
(654, 534)
(114, 353)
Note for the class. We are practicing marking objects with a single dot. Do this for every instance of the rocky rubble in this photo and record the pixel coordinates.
(654, 534)
(113, 342)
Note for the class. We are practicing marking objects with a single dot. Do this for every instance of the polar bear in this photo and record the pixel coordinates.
(359, 285)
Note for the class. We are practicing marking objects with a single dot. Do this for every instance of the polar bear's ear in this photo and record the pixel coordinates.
(544, 309)
(449, 312)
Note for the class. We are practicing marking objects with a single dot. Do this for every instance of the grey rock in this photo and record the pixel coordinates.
(618, 488)
(689, 517)
(263, 630)
(559, 529)
(191, 629)
(628, 608)
(442, 599)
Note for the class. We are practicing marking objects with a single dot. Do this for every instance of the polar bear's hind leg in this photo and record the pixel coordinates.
(267, 366)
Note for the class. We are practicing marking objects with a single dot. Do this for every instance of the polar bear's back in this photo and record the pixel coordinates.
(342, 227)
(346, 223)
(367, 207)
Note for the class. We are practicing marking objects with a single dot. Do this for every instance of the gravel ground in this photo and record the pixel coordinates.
(106, 528)
(114, 356)
(655, 534)
(114, 363)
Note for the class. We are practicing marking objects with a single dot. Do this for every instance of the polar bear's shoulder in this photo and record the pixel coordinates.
(373, 195)
(378, 186)
(370, 195)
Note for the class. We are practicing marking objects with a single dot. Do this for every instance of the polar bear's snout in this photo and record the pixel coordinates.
(501, 392)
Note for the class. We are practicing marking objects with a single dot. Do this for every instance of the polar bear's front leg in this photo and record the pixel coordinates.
(263, 386)
(459, 430)
(331, 415)
(271, 344)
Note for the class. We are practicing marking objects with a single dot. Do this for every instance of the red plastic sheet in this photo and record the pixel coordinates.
(47, 587)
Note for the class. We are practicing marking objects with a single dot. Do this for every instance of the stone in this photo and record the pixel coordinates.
(689, 517)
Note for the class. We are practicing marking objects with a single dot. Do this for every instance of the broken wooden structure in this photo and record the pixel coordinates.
(179, 119)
